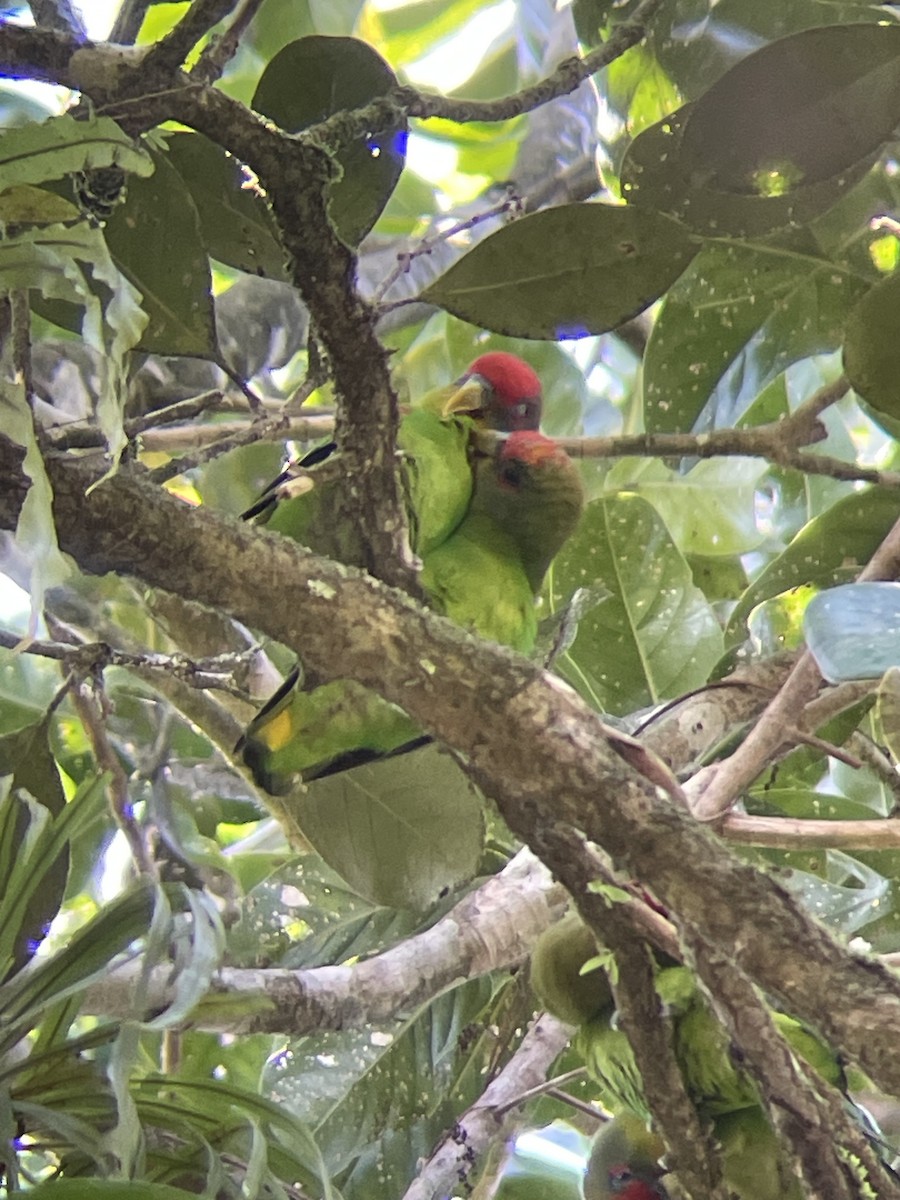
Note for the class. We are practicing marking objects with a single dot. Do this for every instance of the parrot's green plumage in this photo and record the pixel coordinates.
(437, 479)
(498, 391)
(483, 576)
(714, 1081)
(752, 1162)
(624, 1162)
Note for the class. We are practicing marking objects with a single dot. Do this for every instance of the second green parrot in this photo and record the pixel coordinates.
(624, 1162)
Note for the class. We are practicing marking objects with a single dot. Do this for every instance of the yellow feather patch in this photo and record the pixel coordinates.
(277, 732)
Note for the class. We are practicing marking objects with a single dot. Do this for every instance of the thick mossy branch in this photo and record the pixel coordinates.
(518, 726)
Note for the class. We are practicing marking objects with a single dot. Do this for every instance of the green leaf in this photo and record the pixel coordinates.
(656, 636)
(852, 897)
(842, 539)
(709, 510)
(798, 111)
(154, 239)
(565, 272)
(26, 756)
(338, 74)
(25, 997)
(105, 1189)
(389, 1092)
(872, 347)
(235, 222)
(398, 831)
(62, 146)
(853, 631)
(732, 323)
(658, 174)
(27, 205)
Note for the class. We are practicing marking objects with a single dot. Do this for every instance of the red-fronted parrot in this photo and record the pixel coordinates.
(527, 500)
(624, 1162)
(498, 391)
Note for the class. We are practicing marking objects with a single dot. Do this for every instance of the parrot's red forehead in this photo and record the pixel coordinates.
(529, 446)
(510, 377)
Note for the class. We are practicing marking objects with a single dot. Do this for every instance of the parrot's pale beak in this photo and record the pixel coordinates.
(468, 397)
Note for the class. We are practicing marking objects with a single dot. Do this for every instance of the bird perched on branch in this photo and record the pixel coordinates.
(498, 391)
(526, 501)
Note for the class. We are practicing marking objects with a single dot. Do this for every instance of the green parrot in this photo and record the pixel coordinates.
(703, 1048)
(526, 501)
(624, 1162)
(714, 1081)
(752, 1163)
(498, 391)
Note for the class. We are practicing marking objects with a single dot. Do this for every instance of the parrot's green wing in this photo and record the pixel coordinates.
(752, 1161)
(702, 1047)
(437, 480)
(314, 733)
(437, 474)
(341, 724)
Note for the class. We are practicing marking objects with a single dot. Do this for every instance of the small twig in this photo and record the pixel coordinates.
(81, 435)
(482, 1125)
(834, 701)
(589, 1110)
(873, 758)
(545, 1088)
(216, 55)
(92, 715)
(91, 658)
(255, 401)
(793, 734)
(258, 431)
(170, 51)
(569, 75)
(405, 259)
(790, 833)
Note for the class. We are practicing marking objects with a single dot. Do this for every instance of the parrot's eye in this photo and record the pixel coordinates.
(619, 1178)
(511, 474)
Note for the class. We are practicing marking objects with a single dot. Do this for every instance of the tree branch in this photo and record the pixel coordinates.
(493, 928)
(519, 727)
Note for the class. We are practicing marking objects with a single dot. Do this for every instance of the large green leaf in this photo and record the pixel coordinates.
(656, 636)
(709, 510)
(739, 315)
(657, 173)
(398, 831)
(854, 631)
(235, 222)
(62, 146)
(798, 111)
(389, 1092)
(872, 347)
(841, 540)
(565, 272)
(312, 79)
